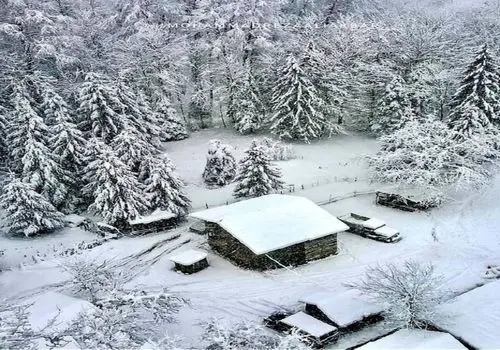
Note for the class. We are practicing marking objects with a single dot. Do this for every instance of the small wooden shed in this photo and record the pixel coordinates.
(190, 261)
(316, 332)
(157, 221)
(271, 231)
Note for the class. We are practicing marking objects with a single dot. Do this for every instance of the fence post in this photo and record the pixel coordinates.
(206, 205)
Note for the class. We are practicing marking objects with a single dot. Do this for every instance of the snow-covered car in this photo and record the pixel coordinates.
(371, 228)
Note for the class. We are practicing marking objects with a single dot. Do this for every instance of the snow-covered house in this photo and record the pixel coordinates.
(271, 231)
(347, 311)
(415, 339)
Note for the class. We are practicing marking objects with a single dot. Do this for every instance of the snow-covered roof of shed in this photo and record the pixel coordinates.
(272, 222)
(415, 339)
(474, 316)
(157, 215)
(345, 308)
(387, 231)
(188, 257)
(308, 324)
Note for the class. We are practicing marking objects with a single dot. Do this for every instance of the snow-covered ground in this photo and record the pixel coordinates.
(461, 238)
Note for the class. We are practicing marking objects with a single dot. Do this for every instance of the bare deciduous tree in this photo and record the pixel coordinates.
(409, 292)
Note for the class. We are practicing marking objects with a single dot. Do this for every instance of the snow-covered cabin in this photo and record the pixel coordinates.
(158, 220)
(415, 339)
(271, 231)
(316, 332)
(190, 261)
(347, 310)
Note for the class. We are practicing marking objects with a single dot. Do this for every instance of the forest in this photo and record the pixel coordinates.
(92, 89)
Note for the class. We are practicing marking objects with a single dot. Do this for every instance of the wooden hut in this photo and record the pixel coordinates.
(316, 333)
(272, 231)
(190, 261)
(157, 221)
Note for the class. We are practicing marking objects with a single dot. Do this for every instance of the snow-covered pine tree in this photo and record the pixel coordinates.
(28, 212)
(131, 148)
(114, 191)
(4, 152)
(172, 127)
(476, 104)
(31, 158)
(221, 165)
(99, 109)
(297, 107)
(394, 109)
(163, 187)
(256, 174)
(248, 110)
(67, 142)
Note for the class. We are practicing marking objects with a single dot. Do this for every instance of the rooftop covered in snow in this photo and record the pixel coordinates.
(155, 216)
(415, 339)
(188, 257)
(474, 316)
(309, 324)
(343, 309)
(272, 222)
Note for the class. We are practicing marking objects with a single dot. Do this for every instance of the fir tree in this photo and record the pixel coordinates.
(476, 104)
(394, 110)
(164, 189)
(4, 151)
(28, 212)
(67, 143)
(297, 107)
(248, 110)
(30, 155)
(221, 165)
(131, 148)
(114, 191)
(172, 127)
(100, 109)
(256, 174)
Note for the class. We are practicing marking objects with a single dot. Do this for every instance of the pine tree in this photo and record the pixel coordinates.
(100, 109)
(248, 110)
(476, 104)
(67, 143)
(221, 165)
(4, 151)
(115, 193)
(256, 174)
(31, 157)
(164, 189)
(297, 107)
(394, 110)
(28, 212)
(131, 148)
(172, 127)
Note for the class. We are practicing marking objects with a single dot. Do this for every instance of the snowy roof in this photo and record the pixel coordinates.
(474, 316)
(415, 339)
(387, 231)
(343, 309)
(51, 305)
(188, 257)
(373, 223)
(309, 324)
(157, 215)
(272, 222)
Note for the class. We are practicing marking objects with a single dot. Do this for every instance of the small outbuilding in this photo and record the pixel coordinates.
(157, 221)
(316, 332)
(348, 311)
(190, 261)
(415, 339)
(271, 231)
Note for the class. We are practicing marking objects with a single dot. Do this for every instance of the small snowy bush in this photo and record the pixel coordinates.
(278, 150)
(220, 169)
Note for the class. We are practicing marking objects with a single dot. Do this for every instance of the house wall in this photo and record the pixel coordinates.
(321, 248)
(298, 254)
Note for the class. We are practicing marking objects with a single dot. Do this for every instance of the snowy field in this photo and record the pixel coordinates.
(461, 238)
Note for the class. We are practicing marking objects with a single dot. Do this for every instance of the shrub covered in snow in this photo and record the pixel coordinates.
(277, 150)
(410, 292)
(221, 165)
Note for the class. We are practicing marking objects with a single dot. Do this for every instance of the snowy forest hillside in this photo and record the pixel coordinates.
(113, 112)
